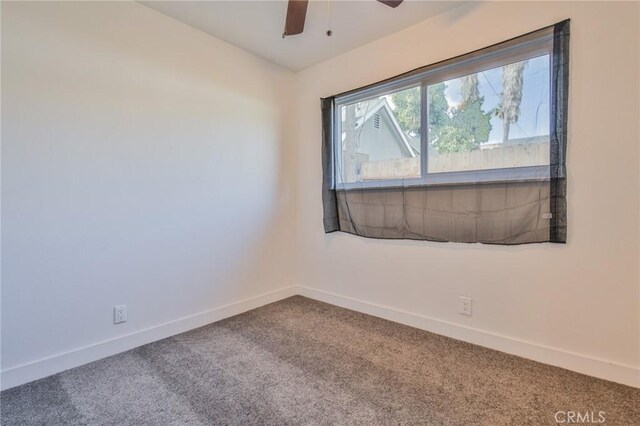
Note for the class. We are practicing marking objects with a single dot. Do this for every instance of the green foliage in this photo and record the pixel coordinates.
(438, 108)
(471, 118)
(453, 139)
(450, 129)
(407, 111)
(458, 129)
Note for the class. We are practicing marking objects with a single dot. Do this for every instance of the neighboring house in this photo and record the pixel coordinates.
(380, 136)
(516, 141)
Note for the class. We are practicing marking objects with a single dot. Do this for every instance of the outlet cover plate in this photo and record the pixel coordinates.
(119, 314)
(464, 306)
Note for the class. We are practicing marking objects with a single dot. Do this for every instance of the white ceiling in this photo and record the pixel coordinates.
(257, 26)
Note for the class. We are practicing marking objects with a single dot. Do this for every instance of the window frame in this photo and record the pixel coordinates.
(536, 44)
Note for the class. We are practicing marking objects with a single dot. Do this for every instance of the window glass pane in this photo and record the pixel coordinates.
(380, 137)
(498, 118)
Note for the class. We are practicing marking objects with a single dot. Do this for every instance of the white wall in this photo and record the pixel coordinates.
(143, 162)
(575, 305)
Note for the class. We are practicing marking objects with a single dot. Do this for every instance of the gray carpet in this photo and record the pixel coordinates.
(299, 361)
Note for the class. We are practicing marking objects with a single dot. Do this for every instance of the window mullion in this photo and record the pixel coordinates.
(424, 130)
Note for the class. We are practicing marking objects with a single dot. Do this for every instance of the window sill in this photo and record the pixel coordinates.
(514, 174)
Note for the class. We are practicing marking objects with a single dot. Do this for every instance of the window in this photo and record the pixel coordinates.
(471, 149)
(483, 117)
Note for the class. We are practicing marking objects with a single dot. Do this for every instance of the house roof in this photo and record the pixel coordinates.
(380, 104)
(516, 141)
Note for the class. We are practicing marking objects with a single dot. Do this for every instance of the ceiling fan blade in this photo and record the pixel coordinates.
(296, 14)
(391, 3)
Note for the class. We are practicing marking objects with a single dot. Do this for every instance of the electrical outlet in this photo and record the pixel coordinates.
(464, 307)
(119, 314)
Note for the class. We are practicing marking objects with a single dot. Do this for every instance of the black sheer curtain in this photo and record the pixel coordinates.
(559, 109)
(499, 212)
(329, 198)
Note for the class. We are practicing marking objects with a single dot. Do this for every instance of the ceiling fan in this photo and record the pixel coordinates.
(297, 12)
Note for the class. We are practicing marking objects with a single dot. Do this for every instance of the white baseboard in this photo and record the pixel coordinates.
(44, 367)
(625, 374)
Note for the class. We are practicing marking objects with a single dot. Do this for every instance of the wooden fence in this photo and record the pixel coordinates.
(520, 155)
